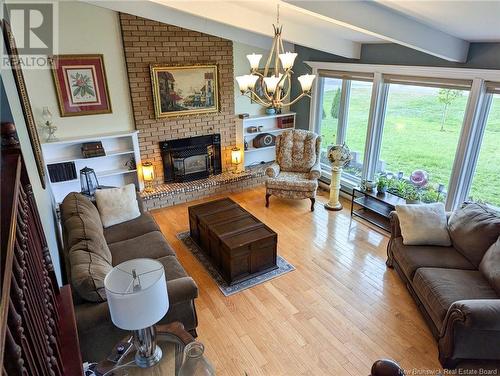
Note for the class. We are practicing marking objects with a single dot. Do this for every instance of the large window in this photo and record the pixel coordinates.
(329, 117)
(345, 108)
(421, 131)
(357, 124)
(486, 179)
(406, 123)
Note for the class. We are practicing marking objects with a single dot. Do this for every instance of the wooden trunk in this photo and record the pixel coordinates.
(238, 244)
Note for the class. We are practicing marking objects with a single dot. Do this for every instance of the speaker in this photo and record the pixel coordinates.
(263, 140)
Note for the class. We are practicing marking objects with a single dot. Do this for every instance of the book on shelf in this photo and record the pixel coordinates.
(93, 149)
(62, 171)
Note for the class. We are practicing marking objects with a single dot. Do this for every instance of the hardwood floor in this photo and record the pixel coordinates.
(339, 311)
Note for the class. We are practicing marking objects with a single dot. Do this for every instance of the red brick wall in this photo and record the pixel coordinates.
(149, 42)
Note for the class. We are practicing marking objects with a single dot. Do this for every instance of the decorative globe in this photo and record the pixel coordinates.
(339, 155)
(419, 178)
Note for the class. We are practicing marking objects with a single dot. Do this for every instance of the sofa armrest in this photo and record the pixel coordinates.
(315, 172)
(181, 290)
(273, 170)
(395, 226)
(482, 314)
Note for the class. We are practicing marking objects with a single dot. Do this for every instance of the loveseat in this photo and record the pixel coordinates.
(90, 251)
(456, 287)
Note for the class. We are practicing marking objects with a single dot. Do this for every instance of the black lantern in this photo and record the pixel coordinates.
(88, 181)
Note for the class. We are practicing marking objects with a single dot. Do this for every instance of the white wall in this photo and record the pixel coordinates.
(86, 29)
(243, 104)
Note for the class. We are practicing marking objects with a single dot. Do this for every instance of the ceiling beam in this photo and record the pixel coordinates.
(161, 13)
(374, 19)
(231, 21)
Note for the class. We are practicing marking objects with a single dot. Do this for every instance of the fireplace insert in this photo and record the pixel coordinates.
(192, 158)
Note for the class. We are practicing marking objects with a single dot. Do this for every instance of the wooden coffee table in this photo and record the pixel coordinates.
(237, 243)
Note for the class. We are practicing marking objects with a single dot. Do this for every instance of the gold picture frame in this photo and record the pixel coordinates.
(17, 71)
(184, 90)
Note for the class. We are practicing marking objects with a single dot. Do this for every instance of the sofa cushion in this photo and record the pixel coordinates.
(439, 288)
(117, 205)
(297, 150)
(88, 270)
(292, 181)
(490, 265)
(424, 224)
(150, 245)
(88, 257)
(173, 269)
(131, 229)
(412, 257)
(473, 229)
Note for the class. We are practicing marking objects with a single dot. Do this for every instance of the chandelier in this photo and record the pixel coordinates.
(276, 79)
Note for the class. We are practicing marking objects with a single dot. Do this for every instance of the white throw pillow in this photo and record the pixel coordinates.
(117, 205)
(424, 224)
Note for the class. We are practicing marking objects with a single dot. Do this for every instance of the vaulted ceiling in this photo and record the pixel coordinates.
(440, 28)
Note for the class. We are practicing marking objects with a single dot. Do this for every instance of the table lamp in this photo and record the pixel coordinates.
(137, 298)
(148, 174)
(236, 158)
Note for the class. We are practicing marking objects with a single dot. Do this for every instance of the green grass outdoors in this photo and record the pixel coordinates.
(412, 138)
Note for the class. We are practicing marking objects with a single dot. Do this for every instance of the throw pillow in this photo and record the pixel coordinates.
(490, 265)
(423, 224)
(473, 229)
(117, 205)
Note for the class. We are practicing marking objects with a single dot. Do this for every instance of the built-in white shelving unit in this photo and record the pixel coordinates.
(269, 123)
(111, 169)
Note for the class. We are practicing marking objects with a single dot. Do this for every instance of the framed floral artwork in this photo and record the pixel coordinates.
(81, 85)
(184, 90)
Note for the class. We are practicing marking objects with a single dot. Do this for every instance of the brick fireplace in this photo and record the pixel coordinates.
(192, 158)
(149, 42)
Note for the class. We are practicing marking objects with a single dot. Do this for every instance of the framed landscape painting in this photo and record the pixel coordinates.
(81, 85)
(185, 90)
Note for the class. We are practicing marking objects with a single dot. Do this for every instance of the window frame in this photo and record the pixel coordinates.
(473, 126)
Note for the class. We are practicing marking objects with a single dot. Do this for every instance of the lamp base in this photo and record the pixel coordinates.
(148, 354)
(337, 207)
(148, 361)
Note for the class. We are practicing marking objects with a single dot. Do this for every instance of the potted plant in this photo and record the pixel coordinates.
(382, 184)
(412, 195)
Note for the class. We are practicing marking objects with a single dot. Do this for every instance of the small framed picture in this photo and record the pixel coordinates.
(186, 90)
(81, 84)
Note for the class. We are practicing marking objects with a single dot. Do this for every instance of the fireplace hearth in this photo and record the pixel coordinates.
(192, 158)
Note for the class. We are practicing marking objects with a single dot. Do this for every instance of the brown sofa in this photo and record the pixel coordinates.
(83, 236)
(458, 301)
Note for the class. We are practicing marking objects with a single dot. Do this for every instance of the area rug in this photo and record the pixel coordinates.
(283, 268)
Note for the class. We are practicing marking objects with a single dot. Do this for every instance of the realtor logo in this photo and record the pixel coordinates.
(33, 25)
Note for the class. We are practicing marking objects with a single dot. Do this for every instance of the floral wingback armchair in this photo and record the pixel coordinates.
(296, 171)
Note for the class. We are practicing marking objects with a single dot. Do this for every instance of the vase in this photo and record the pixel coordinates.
(195, 363)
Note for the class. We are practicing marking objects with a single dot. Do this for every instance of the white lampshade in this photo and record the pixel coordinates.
(271, 83)
(252, 79)
(137, 303)
(254, 60)
(287, 59)
(306, 81)
(243, 82)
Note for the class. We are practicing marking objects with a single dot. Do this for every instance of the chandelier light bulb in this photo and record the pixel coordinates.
(271, 83)
(243, 83)
(254, 60)
(287, 59)
(306, 81)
